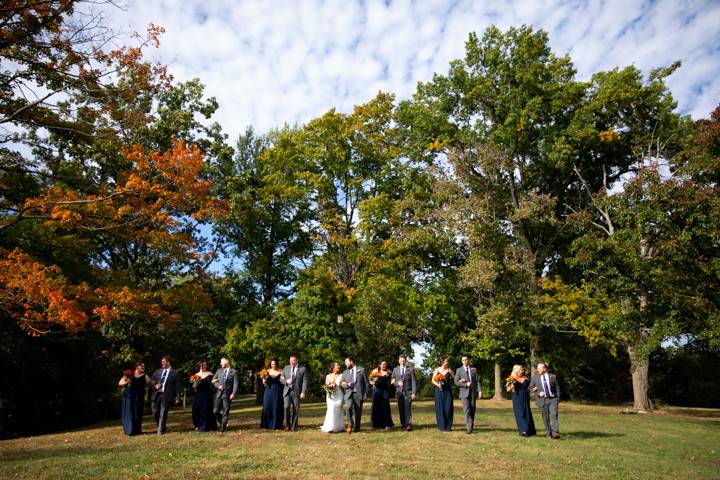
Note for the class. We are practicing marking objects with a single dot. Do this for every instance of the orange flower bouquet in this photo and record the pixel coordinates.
(440, 379)
(510, 383)
(194, 380)
(264, 374)
(374, 378)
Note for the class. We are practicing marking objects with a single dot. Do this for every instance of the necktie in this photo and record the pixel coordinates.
(402, 373)
(163, 379)
(467, 370)
(353, 379)
(225, 376)
(546, 386)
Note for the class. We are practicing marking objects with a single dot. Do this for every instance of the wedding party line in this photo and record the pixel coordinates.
(345, 393)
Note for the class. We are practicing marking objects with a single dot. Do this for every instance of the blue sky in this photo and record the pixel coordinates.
(275, 62)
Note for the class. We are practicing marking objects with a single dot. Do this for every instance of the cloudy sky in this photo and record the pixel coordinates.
(272, 62)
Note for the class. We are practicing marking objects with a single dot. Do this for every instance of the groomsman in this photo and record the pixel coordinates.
(548, 397)
(166, 388)
(355, 384)
(226, 382)
(403, 377)
(466, 380)
(295, 382)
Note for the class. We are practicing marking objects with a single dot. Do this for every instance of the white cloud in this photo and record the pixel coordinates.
(270, 63)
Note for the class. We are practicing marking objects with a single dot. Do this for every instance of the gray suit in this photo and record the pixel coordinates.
(161, 401)
(354, 394)
(291, 394)
(548, 404)
(404, 393)
(468, 390)
(221, 406)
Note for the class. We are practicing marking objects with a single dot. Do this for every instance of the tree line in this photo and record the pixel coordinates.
(507, 210)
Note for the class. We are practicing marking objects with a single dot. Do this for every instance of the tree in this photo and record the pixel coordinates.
(647, 278)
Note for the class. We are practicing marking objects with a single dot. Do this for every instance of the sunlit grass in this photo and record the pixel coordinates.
(597, 442)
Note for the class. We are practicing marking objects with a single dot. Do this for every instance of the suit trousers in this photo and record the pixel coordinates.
(549, 411)
(405, 409)
(353, 411)
(291, 402)
(469, 405)
(221, 408)
(160, 406)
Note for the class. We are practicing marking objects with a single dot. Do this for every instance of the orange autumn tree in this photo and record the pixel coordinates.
(159, 201)
(102, 184)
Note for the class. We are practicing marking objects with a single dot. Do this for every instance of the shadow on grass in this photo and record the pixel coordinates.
(589, 435)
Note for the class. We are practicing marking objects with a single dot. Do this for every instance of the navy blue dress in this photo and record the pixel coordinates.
(272, 412)
(133, 404)
(202, 406)
(380, 416)
(444, 405)
(521, 408)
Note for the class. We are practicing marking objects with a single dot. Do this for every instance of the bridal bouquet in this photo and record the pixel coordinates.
(439, 378)
(195, 379)
(510, 383)
(264, 374)
(374, 378)
(128, 374)
(330, 388)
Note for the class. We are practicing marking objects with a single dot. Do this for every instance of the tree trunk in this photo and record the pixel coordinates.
(639, 363)
(258, 389)
(498, 382)
(534, 351)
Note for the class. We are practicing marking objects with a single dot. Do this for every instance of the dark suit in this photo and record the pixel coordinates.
(291, 394)
(404, 394)
(354, 394)
(548, 403)
(162, 399)
(468, 392)
(221, 406)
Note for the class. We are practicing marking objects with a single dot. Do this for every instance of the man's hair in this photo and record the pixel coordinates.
(543, 364)
(293, 355)
(350, 358)
(402, 355)
(465, 356)
(166, 358)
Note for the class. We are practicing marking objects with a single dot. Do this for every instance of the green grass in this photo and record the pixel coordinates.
(597, 442)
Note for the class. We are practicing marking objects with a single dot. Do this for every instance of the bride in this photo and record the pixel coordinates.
(334, 421)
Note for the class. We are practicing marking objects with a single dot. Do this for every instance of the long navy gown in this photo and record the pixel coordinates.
(202, 406)
(521, 408)
(380, 416)
(133, 404)
(272, 412)
(444, 404)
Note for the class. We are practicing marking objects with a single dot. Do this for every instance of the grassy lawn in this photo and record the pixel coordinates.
(597, 442)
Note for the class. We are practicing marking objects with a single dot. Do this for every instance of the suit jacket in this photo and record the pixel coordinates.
(231, 383)
(536, 381)
(173, 386)
(409, 384)
(300, 379)
(361, 382)
(468, 388)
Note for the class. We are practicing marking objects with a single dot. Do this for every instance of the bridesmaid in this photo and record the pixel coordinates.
(203, 416)
(272, 412)
(380, 411)
(443, 395)
(521, 402)
(133, 402)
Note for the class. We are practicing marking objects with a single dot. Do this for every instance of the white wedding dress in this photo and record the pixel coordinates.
(334, 418)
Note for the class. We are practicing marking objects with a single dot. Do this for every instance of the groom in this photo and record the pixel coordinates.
(547, 389)
(295, 382)
(355, 384)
